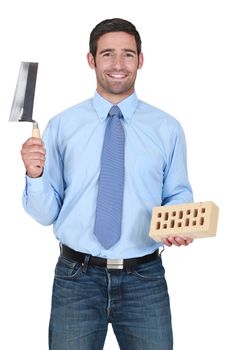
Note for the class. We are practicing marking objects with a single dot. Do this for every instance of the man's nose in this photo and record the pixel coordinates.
(118, 62)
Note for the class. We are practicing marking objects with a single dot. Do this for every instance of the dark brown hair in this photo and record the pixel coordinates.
(113, 25)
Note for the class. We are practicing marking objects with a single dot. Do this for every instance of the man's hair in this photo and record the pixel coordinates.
(113, 25)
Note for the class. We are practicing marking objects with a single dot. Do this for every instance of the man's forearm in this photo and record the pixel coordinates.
(41, 201)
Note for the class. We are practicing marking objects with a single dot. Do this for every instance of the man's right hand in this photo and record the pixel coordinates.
(33, 155)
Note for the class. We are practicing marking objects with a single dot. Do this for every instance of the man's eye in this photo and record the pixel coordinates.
(128, 54)
(106, 54)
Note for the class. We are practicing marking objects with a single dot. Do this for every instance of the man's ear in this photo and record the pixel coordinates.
(140, 60)
(91, 60)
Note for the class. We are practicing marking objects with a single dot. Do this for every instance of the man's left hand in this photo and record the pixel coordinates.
(177, 241)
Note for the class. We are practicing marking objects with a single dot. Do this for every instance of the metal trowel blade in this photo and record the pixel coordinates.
(22, 106)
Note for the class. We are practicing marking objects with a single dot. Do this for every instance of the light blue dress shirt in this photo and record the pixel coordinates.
(155, 174)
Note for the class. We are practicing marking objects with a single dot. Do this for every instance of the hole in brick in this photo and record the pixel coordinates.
(165, 226)
(172, 224)
(203, 210)
(179, 224)
(202, 221)
(187, 222)
(166, 216)
(194, 222)
(159, 215)
(174, 213)
(158, 225)
(195, 212)
(180, 214)
(188, 212)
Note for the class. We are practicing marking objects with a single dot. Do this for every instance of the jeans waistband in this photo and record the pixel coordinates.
(107, 263)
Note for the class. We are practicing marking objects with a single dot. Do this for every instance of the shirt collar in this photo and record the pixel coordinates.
(127, 106)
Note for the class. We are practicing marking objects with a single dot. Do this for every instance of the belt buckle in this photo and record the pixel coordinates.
(115, 264)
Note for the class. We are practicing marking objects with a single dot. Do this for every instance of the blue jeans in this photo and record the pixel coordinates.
(86, 298)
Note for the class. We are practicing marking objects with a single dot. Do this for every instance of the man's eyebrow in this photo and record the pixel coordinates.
(106, 50)
(112, 50)
(130, 50)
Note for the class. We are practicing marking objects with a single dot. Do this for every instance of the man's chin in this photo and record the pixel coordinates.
(119, 90)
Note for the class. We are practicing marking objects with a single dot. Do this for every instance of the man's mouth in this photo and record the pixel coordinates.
(117, 75)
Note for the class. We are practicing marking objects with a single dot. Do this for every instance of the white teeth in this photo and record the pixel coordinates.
(117, 76)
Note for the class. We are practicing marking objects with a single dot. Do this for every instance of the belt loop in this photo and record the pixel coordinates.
(85, 263)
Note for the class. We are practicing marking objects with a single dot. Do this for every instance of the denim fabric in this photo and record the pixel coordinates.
(86, 298)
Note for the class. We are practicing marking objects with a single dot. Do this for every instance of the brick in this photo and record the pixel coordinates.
(189, 220)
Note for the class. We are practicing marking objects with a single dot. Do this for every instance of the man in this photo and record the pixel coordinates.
(101, 210)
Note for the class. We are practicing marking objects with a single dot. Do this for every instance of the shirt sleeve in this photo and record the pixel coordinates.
(176, 186)
(43, 196)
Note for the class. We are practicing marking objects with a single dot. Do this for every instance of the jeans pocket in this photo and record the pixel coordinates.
(149, 271)
(67, 268)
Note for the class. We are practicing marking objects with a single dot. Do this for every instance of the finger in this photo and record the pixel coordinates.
(33, 141)
(180, 241)
(173, 240)
(33, 148)
(189, 240)
(34, 171)
(32, 152)
(166, 242)
(33, 159)
(34, 155)
(34, 163)
(183, 241)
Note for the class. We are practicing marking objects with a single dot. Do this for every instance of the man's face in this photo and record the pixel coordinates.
(116, 64)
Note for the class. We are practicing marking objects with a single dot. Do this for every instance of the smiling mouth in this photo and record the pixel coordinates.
(117, 76)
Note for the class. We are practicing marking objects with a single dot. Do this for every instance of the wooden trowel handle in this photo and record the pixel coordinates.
(36, 130)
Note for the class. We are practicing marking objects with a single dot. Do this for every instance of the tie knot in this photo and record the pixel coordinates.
(115, 112)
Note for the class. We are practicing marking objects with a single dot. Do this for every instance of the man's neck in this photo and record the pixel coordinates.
(114, 98)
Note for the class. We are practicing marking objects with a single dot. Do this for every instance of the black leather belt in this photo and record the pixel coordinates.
(107, 263)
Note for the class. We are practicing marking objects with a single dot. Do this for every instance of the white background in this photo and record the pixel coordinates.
(188, 73)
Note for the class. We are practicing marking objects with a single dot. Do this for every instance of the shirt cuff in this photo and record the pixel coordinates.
(37, 184)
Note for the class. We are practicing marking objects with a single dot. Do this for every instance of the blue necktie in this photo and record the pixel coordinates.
(111, 182)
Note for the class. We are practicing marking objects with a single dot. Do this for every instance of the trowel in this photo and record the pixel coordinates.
(22, 106)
